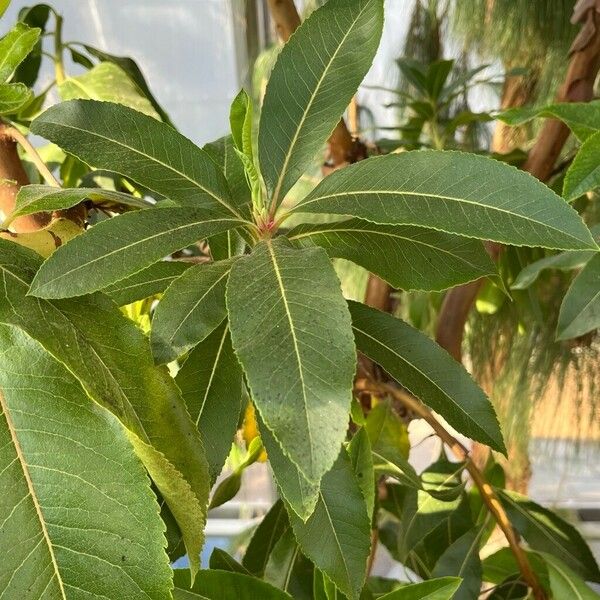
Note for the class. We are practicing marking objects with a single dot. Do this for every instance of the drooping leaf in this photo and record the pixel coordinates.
(45, 198)
(109, 83)
(13, 96)
(442, 588)
(564, 582)
(580, 308)
(211, 384)
(427, 371)
(300, 494)
(14, 47)
(221, 560)
(291, 331)
(62, 457)
(461, 559)
(389, 443)
(269, 530)
(312, 83)
(336, 537)
(135, 74)
(409, 258)
(547, 532)
(361, 457)
(288, 569)
(120, 139)
(583, 175)
(583, 118)
(117, 371)
(122, 246)
(152, 280)
(223, 585)
(455, 192)
(190, 309)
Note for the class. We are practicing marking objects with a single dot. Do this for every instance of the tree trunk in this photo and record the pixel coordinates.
(12, 177)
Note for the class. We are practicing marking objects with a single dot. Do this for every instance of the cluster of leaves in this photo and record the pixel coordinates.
(89, 407)
(433, 107)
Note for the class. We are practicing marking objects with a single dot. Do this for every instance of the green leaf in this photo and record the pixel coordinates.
(583, 175)
(580, 308)
(192, 307)
(12, 97)
(361, 458)
(312, 83)
(442, 479)
(120, 139)
(240, 119)
(122, 246)
(583, 118)
(211, 384)
(547, 532)
(565, 261)
(220, 560)
(119, 374)
(269, 530)
(502, 565)
(135, 74)
(300, 494)
(223, 585)
(389, 443)
(288, 569)
(109, 83)
(291, 330)
(428, 372)
(564, 583)
(152, 280)
(45, 198)
(3, 6)
(224, 155)
(461, 559)
(14, 47)
(62, 458)
(336, 537)
(435, 589)
(409, 258)
(459, 193)
(34, 16)
(323, 588)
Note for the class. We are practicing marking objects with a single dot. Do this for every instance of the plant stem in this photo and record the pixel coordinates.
(59, 67)
(485, 489)
(32, 153)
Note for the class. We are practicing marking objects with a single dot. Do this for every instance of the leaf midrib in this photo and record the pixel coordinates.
(198, 301)
(212, 373)
(431, 195)
(295, 344)
(300, 125)
(153, 159)
(168, 232)
(540, 528)
(404, 360)
(32, 492)
(388, 234)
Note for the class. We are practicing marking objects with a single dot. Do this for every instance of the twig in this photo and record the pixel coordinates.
(485, 489)
(32, 153)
